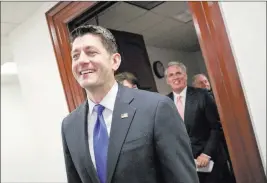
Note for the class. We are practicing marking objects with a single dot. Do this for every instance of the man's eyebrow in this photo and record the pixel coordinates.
(74, 51)
(90, 47)
(86, 48)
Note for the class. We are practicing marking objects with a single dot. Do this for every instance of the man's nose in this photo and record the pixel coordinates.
(176, 76)
(84, 58)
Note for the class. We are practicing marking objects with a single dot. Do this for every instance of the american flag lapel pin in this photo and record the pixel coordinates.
(124, 115)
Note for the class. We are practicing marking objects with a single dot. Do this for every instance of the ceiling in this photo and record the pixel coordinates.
(159, 26)
(12, 15)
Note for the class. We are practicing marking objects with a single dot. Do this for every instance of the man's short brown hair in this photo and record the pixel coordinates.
(107, 38)
(126, 76)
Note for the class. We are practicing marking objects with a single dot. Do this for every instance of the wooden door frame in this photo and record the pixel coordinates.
(221, 67)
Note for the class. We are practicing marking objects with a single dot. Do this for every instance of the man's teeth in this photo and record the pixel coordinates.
(87, 71)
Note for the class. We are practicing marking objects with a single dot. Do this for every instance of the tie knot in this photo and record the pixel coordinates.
(99, 109)
(179, 97)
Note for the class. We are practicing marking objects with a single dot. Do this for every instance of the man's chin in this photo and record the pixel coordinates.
(88, 84)
(177, 87)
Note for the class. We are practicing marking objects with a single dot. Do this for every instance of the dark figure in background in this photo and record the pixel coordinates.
(201, 81)
(120, 135)
(127, 79)
(201, 118)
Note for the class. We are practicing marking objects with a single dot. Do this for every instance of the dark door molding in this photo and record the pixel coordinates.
(221, 67)
(228, 91)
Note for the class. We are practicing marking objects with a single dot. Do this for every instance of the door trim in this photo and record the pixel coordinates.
(229, 95)
(221, 67)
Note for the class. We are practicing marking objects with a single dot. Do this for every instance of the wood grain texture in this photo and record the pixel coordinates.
(57, 19)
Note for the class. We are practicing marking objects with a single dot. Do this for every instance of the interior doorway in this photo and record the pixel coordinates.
(168, 33)
(215, 49)
(148, 33)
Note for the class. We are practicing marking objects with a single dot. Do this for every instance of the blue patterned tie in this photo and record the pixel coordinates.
(100, 144)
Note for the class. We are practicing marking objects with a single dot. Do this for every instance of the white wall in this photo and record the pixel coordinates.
(40, 157)
(201, 64)
(192, 60)
(246, 26)
(14, 133)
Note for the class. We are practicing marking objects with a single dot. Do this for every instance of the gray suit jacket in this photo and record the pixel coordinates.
(151, 145)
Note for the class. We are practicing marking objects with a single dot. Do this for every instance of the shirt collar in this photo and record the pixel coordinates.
(182, 94)
(108, 101)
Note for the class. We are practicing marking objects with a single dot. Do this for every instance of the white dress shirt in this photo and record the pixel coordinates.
(182, 94)
(108, 102)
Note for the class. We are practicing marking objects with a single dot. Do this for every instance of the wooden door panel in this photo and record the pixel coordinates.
(135, 58)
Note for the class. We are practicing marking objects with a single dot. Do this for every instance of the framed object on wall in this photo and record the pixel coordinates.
(158, 69)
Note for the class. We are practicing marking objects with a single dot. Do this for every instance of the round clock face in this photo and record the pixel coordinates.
(158, 69)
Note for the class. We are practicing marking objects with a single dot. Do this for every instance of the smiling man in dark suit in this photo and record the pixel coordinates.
(120, 135)
(201, 118)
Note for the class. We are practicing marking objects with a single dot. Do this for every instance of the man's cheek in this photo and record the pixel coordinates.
(75, 70)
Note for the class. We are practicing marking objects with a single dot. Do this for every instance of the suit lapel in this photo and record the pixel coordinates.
(170, 95)
(122, 117)
(83, 114)
(188, 104)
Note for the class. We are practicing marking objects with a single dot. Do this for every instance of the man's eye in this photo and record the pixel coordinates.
(75, 56)
(92, 53)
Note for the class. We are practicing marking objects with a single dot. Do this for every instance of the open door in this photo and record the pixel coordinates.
(135, 58)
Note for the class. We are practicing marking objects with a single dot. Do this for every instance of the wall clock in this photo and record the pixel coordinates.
(158, 69)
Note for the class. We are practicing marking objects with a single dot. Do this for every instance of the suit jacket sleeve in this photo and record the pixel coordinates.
(172, 145)
(72, 175)
(212, 117)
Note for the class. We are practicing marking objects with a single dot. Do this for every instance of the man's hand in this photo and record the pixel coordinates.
(203, 160)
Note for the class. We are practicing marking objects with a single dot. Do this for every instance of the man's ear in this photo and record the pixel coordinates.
(116, 61)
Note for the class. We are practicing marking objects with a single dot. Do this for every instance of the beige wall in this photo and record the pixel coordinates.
(40, 158)
(246, 26)
(192, 60)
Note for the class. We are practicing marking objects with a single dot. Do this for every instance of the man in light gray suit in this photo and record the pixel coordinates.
(120, 135)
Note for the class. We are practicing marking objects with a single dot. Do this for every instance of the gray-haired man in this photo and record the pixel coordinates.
(201, 119)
